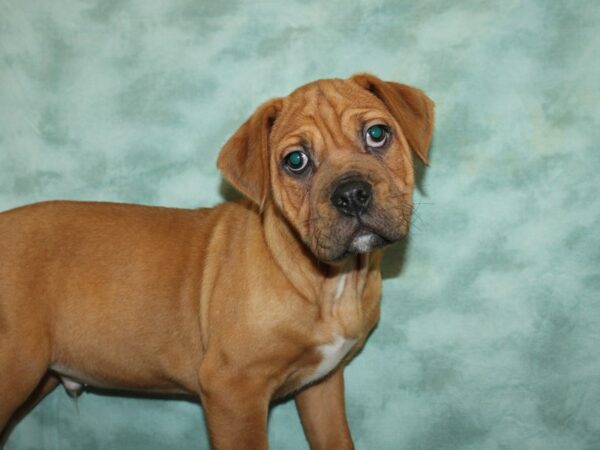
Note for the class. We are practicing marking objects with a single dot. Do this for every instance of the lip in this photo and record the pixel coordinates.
(366, 234)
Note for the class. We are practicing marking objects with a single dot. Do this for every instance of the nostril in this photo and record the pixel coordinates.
(362, 196)
(341, 202)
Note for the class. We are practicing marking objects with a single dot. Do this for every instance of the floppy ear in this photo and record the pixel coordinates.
(410, 107)
(244, 159)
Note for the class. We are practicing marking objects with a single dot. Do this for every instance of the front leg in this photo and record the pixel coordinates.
(236, 409)
(323, 415)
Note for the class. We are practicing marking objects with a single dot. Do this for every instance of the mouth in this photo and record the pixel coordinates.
(347, 236)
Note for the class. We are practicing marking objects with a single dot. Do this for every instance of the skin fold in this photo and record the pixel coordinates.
(241, 304)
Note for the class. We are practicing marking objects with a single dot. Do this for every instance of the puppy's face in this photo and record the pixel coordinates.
(338, 162)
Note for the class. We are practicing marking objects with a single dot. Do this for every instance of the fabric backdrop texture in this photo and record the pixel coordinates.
(490, 329)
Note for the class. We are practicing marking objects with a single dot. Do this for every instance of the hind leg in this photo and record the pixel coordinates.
(16, 386)
(48, 383)
(24, 365)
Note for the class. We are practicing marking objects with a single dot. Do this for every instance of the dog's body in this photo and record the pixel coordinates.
(239, 304)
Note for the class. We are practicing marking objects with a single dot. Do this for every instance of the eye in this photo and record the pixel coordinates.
(296, 161)
(376, 136)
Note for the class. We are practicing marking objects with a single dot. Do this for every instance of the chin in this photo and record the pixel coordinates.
(360, 243)
(365, 242)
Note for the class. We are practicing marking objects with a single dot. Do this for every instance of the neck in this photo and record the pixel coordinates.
(337, 289)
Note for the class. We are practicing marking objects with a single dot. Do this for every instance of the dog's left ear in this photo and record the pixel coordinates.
(410, 107)
(244, 159)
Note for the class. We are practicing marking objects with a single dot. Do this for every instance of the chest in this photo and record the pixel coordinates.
(331, 355)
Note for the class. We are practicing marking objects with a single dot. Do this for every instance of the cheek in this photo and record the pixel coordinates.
(292, 198)
(400, 172)
(404, 170)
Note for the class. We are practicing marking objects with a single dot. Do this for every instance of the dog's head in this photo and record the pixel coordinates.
(335, 157)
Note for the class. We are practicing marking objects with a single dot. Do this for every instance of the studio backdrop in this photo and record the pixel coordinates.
(490, 329)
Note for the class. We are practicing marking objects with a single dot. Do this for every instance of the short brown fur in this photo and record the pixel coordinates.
(233, 303)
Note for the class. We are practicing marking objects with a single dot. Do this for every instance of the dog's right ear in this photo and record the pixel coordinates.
(244, 159)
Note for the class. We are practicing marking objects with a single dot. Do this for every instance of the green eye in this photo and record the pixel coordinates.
(296, 161)
(376, 136)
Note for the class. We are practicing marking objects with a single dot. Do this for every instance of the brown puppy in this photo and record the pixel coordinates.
(238, 304)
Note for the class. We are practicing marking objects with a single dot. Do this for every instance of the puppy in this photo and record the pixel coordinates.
(239, 304)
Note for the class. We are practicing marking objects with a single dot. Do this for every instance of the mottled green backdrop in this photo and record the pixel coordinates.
(490, 330)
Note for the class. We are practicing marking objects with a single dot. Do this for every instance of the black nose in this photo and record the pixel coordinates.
(352, 197)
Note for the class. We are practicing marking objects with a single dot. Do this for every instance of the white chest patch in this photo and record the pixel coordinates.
(332, 355)
(340, 287)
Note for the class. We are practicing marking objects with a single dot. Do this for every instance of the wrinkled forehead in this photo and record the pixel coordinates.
(325, 109)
